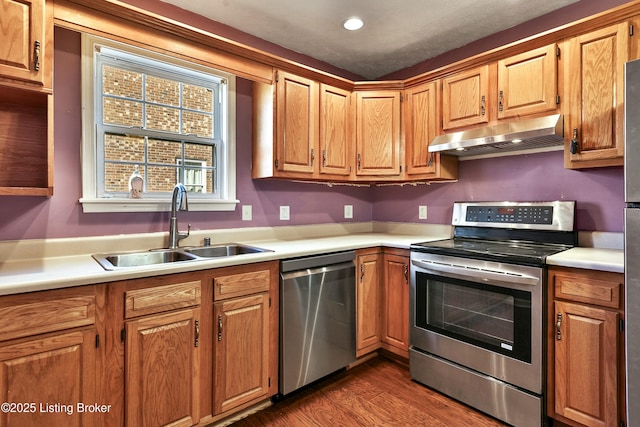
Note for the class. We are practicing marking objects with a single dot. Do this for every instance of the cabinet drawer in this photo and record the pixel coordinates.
(599, 290)
(140, 302)
(247, 283)
(47, 311)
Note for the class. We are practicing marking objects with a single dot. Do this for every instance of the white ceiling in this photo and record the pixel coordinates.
(396, 34)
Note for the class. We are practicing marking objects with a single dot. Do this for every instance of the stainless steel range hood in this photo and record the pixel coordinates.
(518, 135)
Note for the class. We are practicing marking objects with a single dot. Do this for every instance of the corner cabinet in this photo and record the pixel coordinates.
(586, 367)
(50, 352)
(421, 126)
(378, 134)
(368, 299)
(26, 100)
(594, 88)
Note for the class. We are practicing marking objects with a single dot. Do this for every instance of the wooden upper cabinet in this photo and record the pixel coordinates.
(465, 98)
(337, 133)
(378, 133)
(594, 88)
(528, 83)
(26, 51)
(421, 126)
(296, 123)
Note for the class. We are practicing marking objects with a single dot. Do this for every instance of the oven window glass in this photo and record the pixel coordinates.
(491, 317)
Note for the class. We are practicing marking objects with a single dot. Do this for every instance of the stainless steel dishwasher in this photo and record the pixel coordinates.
(317, 318)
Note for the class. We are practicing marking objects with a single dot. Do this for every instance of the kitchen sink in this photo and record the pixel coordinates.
(116, 261)
(224, 250)
(139, 259)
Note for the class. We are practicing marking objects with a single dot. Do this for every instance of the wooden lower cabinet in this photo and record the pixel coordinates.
(368, 300)
(241, 361)
(47, 380)
(395, 302)
(586, 378)
(162, 369)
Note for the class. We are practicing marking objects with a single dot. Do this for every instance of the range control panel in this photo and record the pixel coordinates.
(510, 214)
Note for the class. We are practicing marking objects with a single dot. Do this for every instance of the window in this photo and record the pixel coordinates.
(161, 119)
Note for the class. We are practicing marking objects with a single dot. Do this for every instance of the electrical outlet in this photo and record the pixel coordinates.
(348, 211)
(246, 213)
(284, 213)
(422, 212)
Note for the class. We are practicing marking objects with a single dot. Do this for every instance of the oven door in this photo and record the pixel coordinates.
(486, 316)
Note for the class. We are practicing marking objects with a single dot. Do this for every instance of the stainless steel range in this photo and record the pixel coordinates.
(477, 306)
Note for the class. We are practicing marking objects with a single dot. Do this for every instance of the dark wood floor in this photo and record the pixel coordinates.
(377, 393)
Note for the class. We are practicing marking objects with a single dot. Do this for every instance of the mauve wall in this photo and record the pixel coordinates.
(533, 177)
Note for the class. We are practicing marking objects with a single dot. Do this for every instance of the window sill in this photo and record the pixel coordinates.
(151, 205)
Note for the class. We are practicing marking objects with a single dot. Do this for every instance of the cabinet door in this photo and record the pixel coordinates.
(528, 83)
(465, 98)
(395, 319)
(368, 299)
(586, 357)
(378, 133)
(296, 123)
(162, 369)
(337, 133)
(22, 31)
(241, 348)
(421, 126)
(51, 374)
(594, 81)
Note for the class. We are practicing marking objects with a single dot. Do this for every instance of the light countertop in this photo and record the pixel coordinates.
(27, 266)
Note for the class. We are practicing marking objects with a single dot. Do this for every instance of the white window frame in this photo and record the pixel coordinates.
(90, 200)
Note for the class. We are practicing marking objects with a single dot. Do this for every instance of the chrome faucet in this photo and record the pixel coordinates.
(178, 202)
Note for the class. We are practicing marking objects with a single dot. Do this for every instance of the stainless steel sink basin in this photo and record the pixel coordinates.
(138, 259)
(224, 250)
(116, 261)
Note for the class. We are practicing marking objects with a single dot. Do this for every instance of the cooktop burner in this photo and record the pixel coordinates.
(515, 252)
(512, 232)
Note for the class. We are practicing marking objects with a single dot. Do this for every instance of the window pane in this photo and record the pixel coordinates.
(197, 124)
(164, 152)
(163, 118)
(200, 153)
(119, 82)
(197, 98)
(161, 178)
(124, 148)
(116, 176)
(162, 91)
(121, 112)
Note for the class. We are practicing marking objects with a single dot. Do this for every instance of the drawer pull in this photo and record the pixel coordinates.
(558, 327)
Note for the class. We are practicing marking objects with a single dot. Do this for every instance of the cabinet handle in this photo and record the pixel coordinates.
(574, 142)
(313, 156)
(406, 274)
(430, 161)
(359, 159)
(361, 272)
(500, 99)
(482, 107)
(220, 327)
(558, 326)
(197, 330)
(36, 55)
(324, 158)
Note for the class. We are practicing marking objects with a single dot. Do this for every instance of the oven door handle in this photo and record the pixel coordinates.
(474, 273)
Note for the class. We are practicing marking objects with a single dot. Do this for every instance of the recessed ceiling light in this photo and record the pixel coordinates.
(353, 24)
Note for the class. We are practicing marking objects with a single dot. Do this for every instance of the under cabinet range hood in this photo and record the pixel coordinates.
(542, 133)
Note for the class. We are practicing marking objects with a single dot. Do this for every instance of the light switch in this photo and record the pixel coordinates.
(284, 213)
(348, 211)
(422, 212)
(246, 213)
